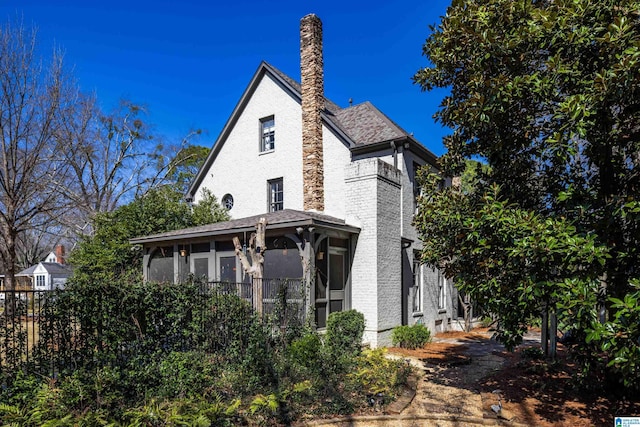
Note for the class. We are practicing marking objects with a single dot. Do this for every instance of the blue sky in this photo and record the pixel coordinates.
(190, 61)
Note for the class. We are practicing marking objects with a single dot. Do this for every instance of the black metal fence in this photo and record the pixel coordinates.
(50, 332)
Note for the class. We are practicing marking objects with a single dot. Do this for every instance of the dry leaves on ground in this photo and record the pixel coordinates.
(532, 392)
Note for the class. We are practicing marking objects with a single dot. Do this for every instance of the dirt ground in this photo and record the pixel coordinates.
(465, 374)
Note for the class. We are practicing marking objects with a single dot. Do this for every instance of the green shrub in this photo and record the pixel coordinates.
(344, 333)
(412, 337)
(376, 374)
(305, 353)
(186, 374)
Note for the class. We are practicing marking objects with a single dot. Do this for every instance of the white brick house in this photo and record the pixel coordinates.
(337, 186)
(50, 274)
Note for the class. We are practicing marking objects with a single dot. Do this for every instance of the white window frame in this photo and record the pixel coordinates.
(267, 134)
(442, 291)
(418, 284)
(41, 281)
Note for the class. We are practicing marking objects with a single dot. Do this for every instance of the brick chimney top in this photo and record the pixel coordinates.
(60, 254)
(312, 92)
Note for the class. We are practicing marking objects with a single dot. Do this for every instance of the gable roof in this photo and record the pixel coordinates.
(55, 268)
(27, 271)
(52, 268)
(286, 218)
(358, 126)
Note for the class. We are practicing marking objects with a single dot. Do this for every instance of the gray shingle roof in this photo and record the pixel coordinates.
(361, 127)
(363, 123)
(27, 271)
(51, 267)
(279, 219)
(55, 268)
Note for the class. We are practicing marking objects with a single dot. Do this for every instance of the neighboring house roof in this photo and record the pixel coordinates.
(27, 271)
(361, 127)
(279, 219)
(52, 268)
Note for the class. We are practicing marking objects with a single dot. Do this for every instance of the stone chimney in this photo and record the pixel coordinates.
(312, 80)
(60, 254)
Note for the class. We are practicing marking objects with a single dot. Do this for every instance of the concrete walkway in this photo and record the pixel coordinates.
(445, 395)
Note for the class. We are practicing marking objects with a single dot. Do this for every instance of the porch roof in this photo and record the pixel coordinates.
(286, 218)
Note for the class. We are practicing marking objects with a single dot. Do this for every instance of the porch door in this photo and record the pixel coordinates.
(331, 283)
(227, 271)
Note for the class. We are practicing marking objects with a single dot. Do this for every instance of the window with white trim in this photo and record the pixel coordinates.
(442, 291)
(40, 281)
(417, 189)
(417, 284)
(267, 134)
(275, 194)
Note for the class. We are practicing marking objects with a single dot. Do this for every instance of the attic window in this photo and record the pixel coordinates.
(227, 201)
(267, 134)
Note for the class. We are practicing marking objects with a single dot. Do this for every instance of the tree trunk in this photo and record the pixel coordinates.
(467, 311)
(553, 335)
(9, 258)
(255, 267)
(544, 328)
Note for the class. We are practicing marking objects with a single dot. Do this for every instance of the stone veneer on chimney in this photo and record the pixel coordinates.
(312, 88)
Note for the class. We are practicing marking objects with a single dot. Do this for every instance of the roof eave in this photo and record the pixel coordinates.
(262, 69)
(414, 146)
(276, 226)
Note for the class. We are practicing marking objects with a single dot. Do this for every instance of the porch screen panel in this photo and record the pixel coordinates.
(161, 265)
(321, 315)
(282, 259)
(337, 280)
(201, 268)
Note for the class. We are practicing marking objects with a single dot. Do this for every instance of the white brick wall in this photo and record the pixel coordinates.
(241, 170)
(367, 192)
(373, 191)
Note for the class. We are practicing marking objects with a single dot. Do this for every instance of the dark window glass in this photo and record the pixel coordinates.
(228, 269)
(267, 134)
(321, 315)
(227, 201)
(282, 260)
(200, 247)
(276, 195)
(225, 246)
(337, 272)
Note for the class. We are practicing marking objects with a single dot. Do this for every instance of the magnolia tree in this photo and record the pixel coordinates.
(547, 95)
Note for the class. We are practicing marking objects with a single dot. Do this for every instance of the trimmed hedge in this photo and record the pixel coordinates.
(411, 337)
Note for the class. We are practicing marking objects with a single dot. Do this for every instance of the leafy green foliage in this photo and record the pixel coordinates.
(410, 336)
(513, 262)
(108, 252)
(379, 375)
(162, 354)
(185, 165)
(344, 335)
(619, 338)
(546, 94)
